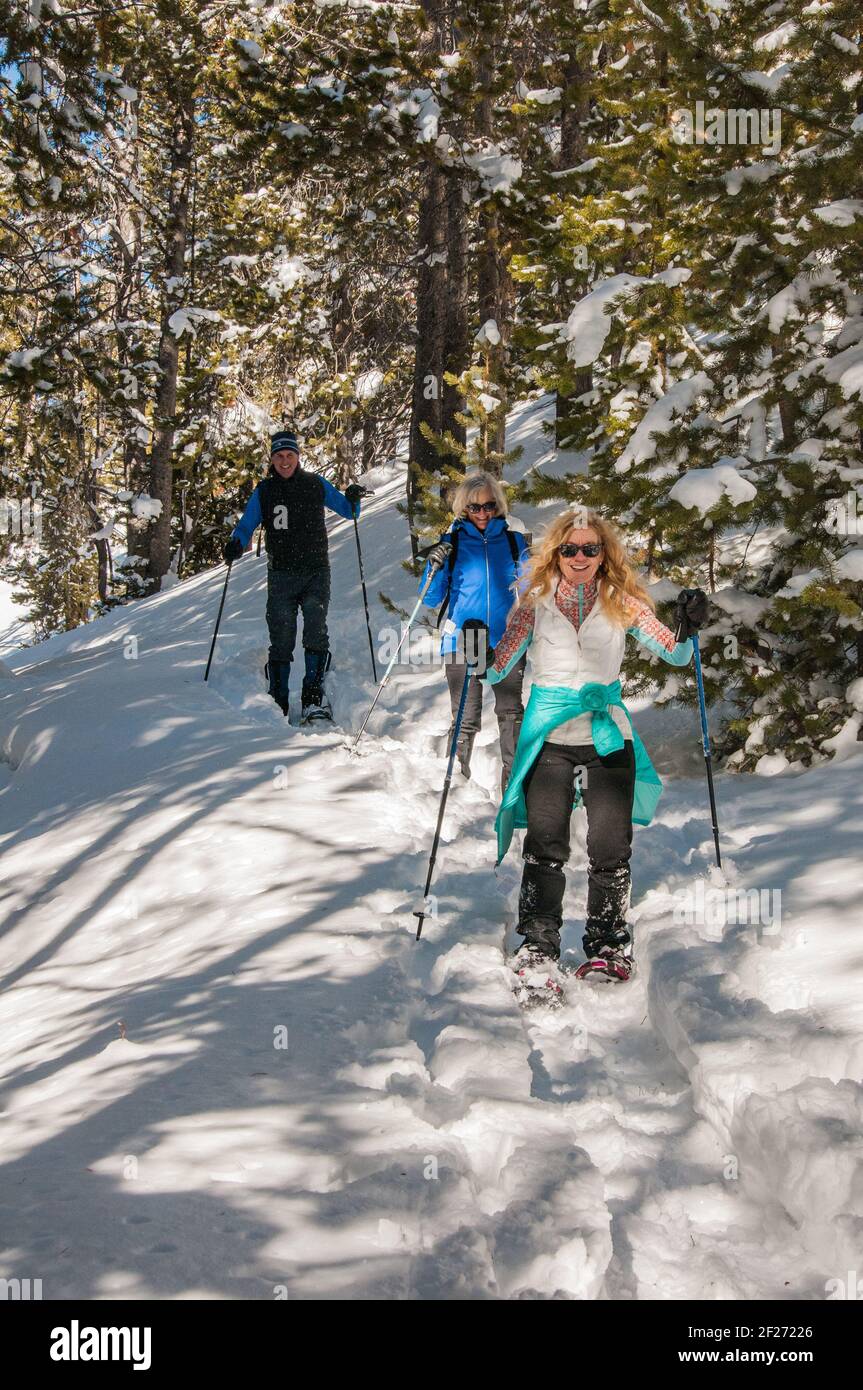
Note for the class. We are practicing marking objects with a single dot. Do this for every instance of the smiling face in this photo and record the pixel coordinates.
(484, 499)
(578, 569)
(285, 462)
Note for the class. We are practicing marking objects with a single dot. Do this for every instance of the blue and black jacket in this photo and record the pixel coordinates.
(478, 582)
(291, 511)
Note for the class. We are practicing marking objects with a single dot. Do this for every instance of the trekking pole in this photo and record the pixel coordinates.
(216, 630)
(410, 622)
(475, 626)
(705, 740)
(365, 493)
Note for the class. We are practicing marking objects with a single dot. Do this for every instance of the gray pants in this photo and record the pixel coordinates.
(286, 594)
(507, 706)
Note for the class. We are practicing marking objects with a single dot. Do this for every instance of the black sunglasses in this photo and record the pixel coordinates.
(569, 551)
(482, 506)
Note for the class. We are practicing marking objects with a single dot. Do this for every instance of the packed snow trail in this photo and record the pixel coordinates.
(230, 1071)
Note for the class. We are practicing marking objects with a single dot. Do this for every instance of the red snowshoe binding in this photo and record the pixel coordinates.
(610, 963)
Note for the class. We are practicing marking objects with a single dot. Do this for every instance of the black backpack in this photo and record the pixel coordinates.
(514, 551)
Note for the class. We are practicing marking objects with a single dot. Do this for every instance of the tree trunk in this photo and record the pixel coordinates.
(495, 296)
(494, 285)
(341, 344)
(788, 412)
(368, 445)
(433, 315)
(176, 238)
(426, 396)
(573, 150)
(457, 333)
(128, 237)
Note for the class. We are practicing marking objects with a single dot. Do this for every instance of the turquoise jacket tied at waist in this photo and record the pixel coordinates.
(550, 706)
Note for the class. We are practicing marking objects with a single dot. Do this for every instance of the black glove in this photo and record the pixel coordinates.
(690, 612)
(354, 493)
(233, 550)
(475, 646)
(439, 554)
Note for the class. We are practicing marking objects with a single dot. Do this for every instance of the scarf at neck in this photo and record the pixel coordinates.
(567, 599)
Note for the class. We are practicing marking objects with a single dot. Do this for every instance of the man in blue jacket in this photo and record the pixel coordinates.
(289, 503)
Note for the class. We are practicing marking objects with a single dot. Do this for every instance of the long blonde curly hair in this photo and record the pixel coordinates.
(616, 578)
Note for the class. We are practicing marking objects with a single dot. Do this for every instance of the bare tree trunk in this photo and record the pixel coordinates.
(651, 550)
(341, 344)
(176, 238)
(127, 232)
(788, 413)
(433, 317)
(457, 344)
(494, 286)
(368, 445)
(426, 397)
(573, 148)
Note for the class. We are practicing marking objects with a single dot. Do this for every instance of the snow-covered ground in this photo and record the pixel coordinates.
(14, 628)
(229, 1070)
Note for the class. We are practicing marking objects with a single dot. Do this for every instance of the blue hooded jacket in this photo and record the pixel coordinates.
(482, 578)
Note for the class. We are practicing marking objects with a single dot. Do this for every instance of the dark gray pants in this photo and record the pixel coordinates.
(286, 595)
(607, 788)
(507, 706)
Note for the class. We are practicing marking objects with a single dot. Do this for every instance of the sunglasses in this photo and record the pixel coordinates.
(569, 551)
(477, 507)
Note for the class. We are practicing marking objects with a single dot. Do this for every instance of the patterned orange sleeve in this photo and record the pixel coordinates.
(646, 628)
(515, 641)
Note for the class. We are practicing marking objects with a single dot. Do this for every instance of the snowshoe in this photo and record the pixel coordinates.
(537, 979)
(318, 712)
(610, 964)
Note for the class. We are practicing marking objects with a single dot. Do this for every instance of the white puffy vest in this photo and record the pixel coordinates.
(561, 656)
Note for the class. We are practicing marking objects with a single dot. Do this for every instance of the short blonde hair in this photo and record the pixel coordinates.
(471, 485)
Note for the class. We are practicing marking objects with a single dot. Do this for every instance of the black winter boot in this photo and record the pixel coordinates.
(541, 936)
(278, 675)
(600, 936)
(540, 904)
(313, 697)
(607, 903)
(464, 749)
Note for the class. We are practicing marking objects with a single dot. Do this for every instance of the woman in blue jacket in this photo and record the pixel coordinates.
(481, 556)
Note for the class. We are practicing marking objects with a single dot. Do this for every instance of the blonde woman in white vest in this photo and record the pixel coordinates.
(579, 603)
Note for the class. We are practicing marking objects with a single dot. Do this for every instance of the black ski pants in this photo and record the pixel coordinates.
(607, 787)
(286, 595)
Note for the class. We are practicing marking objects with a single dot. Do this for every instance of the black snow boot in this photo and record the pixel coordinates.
(464, 749)
(314, 699)
(278, 675)
(540, 903)
(541, 935)
(601, 936)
